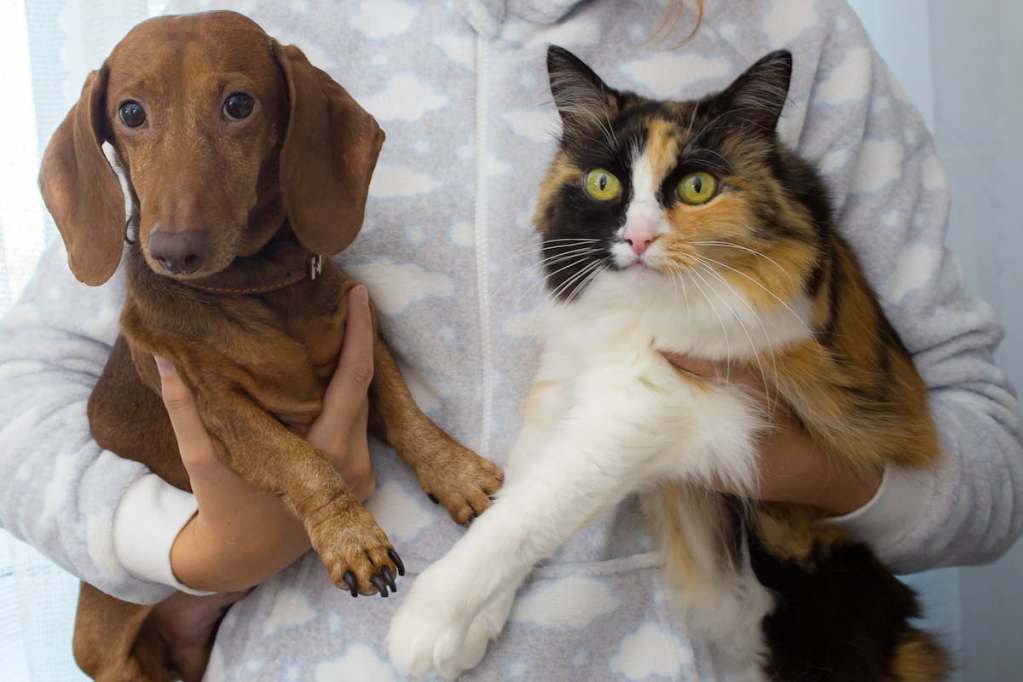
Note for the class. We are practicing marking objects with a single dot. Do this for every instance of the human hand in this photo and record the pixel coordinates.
(242, 535)
(792, 468)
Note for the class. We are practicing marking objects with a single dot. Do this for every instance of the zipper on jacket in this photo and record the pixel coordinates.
(482, 252)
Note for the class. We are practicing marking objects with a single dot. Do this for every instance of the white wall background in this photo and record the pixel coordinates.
(979, 47)
(961, 63)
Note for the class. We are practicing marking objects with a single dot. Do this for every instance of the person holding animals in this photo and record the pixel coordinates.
(455, 84)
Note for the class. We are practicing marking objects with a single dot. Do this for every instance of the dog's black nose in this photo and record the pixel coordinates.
(179, 253)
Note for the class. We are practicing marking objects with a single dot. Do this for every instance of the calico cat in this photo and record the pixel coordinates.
(688, 226)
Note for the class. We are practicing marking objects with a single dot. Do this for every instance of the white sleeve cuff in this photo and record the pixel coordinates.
(893, 511)
(148, 519)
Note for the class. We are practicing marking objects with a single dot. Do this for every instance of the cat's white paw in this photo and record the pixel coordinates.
(428, 633)
(487, 625)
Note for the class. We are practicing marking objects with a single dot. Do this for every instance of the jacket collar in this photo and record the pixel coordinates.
(487, 16)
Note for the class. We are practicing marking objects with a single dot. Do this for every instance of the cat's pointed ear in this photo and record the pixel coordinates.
(582, 98)
(759, 94)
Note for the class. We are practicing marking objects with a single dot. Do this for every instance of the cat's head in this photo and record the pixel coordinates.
(645, 188)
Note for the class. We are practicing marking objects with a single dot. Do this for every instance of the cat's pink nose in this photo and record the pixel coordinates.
(639, 240)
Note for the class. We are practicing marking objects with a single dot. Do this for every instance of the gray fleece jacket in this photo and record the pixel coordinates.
(461, 89)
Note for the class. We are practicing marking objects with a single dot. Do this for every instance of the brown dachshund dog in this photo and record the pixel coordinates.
(247, 166)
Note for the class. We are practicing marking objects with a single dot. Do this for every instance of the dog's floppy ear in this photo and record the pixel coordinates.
(81, 190)
(328, 157)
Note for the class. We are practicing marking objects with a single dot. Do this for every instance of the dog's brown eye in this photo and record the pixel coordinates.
(238, 105)
(132, 114)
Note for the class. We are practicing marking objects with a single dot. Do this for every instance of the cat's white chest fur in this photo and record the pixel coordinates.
(687, 313)
(602, 359)
(607, 416)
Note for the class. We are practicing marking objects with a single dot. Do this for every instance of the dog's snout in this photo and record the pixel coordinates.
(179, 253)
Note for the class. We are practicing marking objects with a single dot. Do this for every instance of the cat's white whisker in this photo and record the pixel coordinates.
(577, 261)
(769, 344)
(552, 295)
(564, 254)
(572, 239)
(733, 245)
(674, 284)
(581, 286)
(677, 273)
(721, 321)
(564, 286)
(765, 289)
(566, 249)
(542, 280)
(745, 330)
(549, 245)
(742, 299)
(532, 268)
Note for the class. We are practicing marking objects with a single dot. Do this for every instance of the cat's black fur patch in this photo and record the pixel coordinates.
(822, 628)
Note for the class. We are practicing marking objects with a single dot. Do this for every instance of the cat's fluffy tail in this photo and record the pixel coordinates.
(709, 576)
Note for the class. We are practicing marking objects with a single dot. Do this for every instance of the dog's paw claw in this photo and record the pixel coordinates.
(356, 552)
(389, 577)
(349, 579)
(399, 564)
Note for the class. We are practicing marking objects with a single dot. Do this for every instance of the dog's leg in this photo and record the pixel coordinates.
(448, 472)
(356, 552)
(188, 625)
(128, 417)
(110, 643)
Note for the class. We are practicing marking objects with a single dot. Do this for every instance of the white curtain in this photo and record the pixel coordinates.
(959, 62)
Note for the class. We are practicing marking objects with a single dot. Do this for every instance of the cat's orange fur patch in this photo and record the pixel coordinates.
(920, 659)
(793, 533)
(559, 173)
(662, 147)
(684, 566)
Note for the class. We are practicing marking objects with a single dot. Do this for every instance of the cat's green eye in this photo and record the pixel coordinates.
(697, 188)
(602, 185)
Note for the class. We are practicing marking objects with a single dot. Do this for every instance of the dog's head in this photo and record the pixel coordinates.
(222, 133)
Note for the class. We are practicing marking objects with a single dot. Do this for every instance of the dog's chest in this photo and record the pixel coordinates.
(279, 349)
(292, 367)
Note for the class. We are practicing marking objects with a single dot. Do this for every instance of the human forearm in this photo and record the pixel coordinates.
(964, 511)
(794, 470)
(58, 489)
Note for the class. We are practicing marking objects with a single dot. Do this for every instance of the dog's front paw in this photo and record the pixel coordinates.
(435, 632)
(462, 481)
(356, 552)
